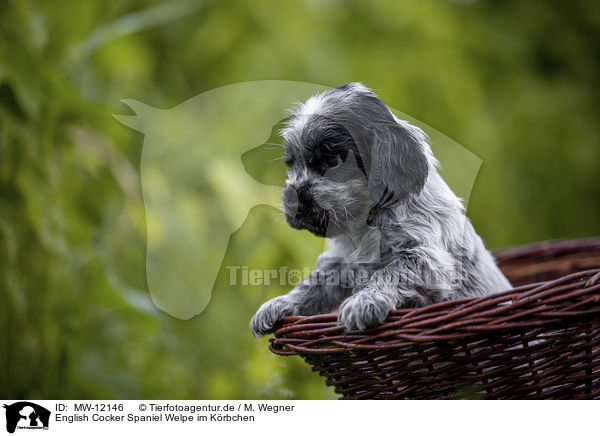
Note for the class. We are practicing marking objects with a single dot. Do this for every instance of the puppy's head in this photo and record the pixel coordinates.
(347, 158)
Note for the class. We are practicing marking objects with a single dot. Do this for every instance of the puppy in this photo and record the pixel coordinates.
(397, 235)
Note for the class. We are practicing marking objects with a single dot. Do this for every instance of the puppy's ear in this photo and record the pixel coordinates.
(398, 163)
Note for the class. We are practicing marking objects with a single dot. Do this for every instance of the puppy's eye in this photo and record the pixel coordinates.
(333, 162)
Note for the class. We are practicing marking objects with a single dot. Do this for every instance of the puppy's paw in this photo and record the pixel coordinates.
(268, 314)
(366, 308)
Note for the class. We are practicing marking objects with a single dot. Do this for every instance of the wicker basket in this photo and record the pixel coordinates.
(538, 340)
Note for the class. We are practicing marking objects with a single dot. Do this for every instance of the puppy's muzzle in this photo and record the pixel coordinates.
(302, 211)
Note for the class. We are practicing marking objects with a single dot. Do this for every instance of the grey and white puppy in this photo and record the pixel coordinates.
(397, 235)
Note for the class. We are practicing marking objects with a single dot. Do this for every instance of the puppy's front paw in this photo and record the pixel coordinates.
(366, 308)
(268, 314)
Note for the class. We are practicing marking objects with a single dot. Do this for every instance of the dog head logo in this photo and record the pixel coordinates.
(26, 415)
(197, 191)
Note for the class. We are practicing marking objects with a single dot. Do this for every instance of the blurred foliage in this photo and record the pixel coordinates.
(514, 82)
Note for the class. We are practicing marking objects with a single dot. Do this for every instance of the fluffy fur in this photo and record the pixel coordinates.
(397, 235)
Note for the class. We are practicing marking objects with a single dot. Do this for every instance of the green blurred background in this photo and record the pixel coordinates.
(514, 82)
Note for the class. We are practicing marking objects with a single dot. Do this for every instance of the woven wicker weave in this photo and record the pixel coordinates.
(538, 340)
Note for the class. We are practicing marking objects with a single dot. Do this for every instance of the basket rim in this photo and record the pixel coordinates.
(518, 296)
(547, 247)
(534, 305)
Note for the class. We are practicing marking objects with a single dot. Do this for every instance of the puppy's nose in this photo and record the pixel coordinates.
(297, 198)
(304, 195)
